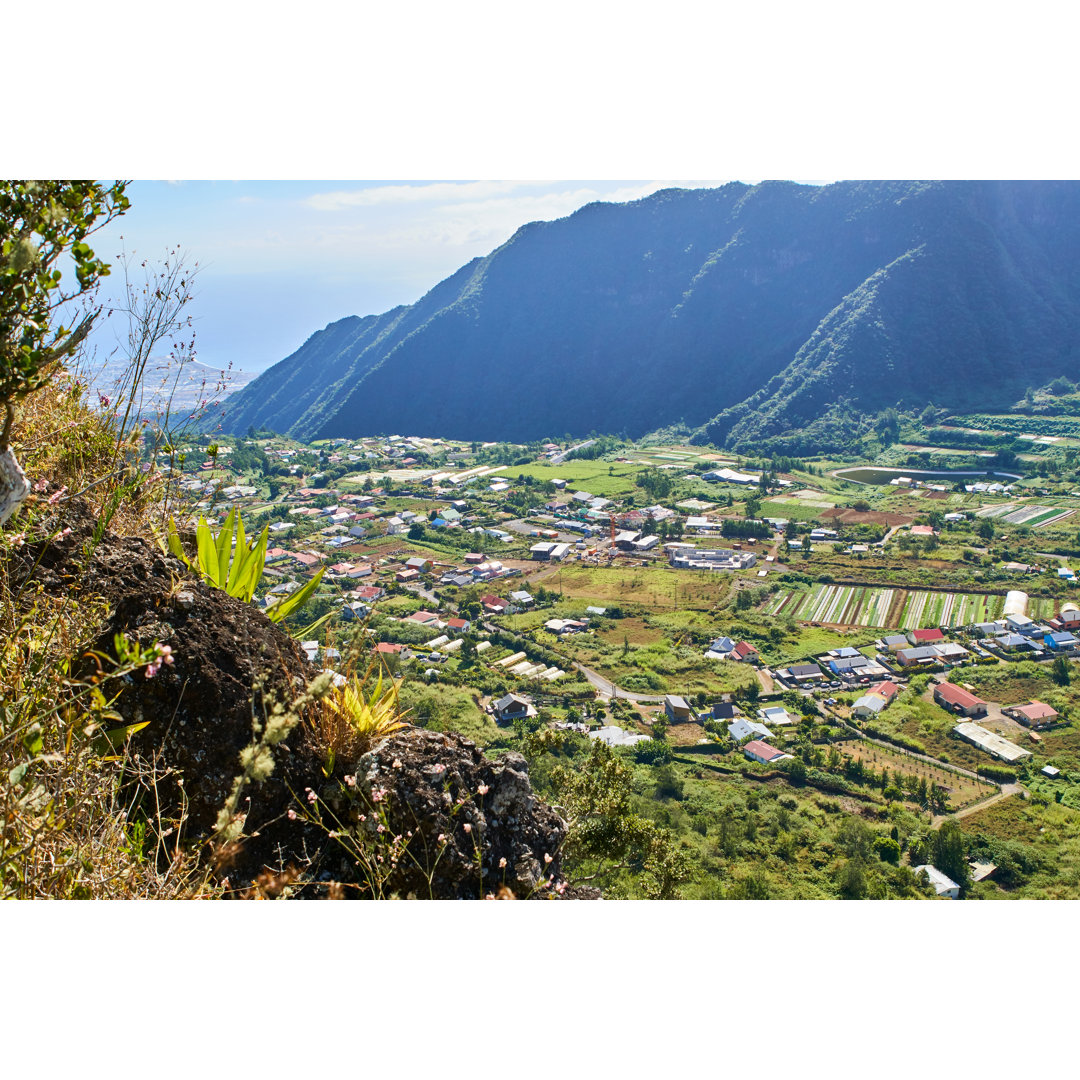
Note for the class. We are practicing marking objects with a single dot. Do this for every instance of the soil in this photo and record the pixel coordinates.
(846, 516)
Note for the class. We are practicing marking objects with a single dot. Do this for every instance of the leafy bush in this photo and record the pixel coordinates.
(652, 752)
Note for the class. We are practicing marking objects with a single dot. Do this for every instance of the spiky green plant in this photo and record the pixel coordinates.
(236, 568)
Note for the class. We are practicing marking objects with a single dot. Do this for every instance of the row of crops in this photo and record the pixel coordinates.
(948, 609)
(1029, 514)
(855, 605)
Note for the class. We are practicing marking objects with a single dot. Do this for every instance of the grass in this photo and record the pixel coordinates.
(597, 477)
(449, 708)
(1047, 833)
(653, 587)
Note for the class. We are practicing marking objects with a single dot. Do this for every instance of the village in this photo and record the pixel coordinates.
(735, 610)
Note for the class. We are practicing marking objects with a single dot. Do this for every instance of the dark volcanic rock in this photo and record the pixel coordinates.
(199, 711)
(477, 828)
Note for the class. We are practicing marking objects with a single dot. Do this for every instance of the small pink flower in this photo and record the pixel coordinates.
(363, 817)
(41, 485)
(561, 888)
(56, 496)
(64, 535)
(483, 789)
(467, 827)
(351, 781)
(397, 764)
(104, 399)
(440, 838)
(292, 815)
(547, 857)
(381, 828)
(312, 797)
(502, 863)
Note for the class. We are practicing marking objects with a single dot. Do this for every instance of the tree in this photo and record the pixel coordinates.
(1059, 671)
(605, 835)
(949, 853)
(42, 224)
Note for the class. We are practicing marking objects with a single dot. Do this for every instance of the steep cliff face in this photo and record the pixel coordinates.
(749, 311)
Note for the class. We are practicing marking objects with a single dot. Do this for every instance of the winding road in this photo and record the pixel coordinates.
(609, 689)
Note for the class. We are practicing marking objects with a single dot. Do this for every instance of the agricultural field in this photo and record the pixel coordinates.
(840, 604)
(1035, 515)
(656, 587)
(948, 609)
(607, 479)
(855, 605)
(963, 790)
(792, 509)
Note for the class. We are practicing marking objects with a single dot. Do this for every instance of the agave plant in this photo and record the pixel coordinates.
(225, 561)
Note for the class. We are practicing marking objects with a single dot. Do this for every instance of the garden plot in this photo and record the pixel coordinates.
(1050, 518)
(923, 609)
(840, 605)
(996, 511)
(1027, 514)
(846, 605)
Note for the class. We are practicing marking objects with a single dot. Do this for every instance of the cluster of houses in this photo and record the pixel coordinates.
(923, 648)
(1016, 633)
(837, 667)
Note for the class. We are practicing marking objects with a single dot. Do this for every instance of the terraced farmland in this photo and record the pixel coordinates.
(854, 605)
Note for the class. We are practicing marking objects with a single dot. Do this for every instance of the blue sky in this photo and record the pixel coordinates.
(279, 260)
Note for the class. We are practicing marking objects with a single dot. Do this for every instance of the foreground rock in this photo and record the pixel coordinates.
(449, 816)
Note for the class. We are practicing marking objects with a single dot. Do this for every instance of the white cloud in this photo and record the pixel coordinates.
(413, 193)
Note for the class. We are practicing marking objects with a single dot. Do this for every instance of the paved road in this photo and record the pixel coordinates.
(427, 595)
(609, 689)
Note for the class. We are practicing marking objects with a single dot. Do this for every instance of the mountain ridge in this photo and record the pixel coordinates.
(751, 314)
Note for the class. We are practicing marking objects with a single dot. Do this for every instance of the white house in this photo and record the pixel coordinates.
(943, 886)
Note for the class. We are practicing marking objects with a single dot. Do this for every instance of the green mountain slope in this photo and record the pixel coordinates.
(777, 312)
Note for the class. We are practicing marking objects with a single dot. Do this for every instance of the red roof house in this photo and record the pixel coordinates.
(744, 651)
(757, 750)
(1036, 714)
(888, 690)
(958, 699)
(926, 636)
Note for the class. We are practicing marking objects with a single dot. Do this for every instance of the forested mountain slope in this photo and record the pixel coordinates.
(777, 312)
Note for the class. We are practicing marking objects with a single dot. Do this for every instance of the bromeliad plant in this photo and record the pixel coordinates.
(225, 561)
(359, 711)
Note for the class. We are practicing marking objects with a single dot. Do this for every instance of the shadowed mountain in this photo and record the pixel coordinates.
(778, 313)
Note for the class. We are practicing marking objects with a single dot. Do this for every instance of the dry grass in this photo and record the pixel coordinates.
(68, 825)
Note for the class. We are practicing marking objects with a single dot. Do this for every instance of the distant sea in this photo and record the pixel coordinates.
(167, 385)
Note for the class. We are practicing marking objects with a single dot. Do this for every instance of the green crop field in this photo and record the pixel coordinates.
(848, 605)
